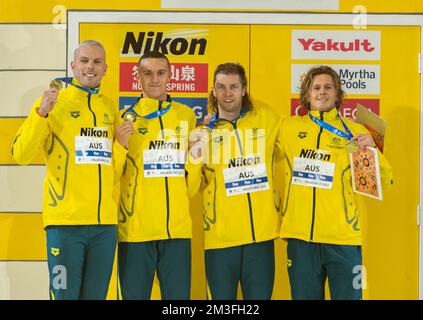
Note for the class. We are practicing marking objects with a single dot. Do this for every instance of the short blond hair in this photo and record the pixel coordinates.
(87, 43)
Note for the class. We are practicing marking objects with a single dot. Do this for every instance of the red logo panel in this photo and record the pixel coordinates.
(347, 109)
(186, 77)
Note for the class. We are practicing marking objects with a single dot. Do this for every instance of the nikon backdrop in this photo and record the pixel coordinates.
(379, 65)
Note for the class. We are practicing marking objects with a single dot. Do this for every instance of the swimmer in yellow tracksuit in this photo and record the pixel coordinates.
(321, 222)
(241, 218)
(75, 129)
(155, 226)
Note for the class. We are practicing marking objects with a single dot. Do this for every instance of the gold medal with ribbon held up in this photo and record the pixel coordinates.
(129, 116)
(57, 84)
(351, 145)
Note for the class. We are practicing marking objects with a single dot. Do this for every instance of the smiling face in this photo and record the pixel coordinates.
(154, 76)
(228, 91)
(89, 65)
(322, 93)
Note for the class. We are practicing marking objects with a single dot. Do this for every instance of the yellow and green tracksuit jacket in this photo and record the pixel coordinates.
(75, 192)
(156, 207)
(232, 218)
(316, 214)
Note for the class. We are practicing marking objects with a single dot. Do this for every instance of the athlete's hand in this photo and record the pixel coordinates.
(364, 140)
(197, 143)
(48, 101)
(123, 132)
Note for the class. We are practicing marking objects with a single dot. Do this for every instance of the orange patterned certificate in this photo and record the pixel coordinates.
(365, 173)
(373, 123)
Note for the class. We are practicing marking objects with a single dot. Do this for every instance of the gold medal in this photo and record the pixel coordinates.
(129, 116)
(56, 84)
(351, 146)
(206, 133)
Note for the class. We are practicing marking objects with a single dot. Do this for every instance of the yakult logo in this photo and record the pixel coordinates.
(335, 45)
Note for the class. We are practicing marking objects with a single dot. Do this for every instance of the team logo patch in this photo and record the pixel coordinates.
(336, 143)
(336, 140)
(55, 251)
(143, 130)
(106, 119)
(302, 134)
(218, 139)
(75, 114)
(289, 263)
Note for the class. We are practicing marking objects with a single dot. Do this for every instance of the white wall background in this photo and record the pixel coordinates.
(30, 56)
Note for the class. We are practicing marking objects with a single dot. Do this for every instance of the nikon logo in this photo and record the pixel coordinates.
(313, 154)
(241, 161)
(160, 144)
(94, 132)
(150, 41)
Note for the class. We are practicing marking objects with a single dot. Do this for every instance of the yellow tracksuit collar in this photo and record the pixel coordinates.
(327, 115)
(146, 106)
(74, 91)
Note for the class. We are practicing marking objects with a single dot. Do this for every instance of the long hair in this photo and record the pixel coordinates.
(308, 81)
(230, 68)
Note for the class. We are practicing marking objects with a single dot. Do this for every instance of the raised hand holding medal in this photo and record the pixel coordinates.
(57, 84)
(49, 98)
(200, 137)
(129, 116)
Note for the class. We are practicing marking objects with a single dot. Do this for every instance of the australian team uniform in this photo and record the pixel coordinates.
(155, 227)
(241, 217)
(321, 221)
(79, 213)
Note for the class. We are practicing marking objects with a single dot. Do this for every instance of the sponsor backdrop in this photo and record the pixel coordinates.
(275, 57)
(379, 68)
(194, 52)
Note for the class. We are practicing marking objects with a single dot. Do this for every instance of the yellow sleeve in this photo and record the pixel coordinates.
(279, 143)
(119, 153)
(31, 136)
(278, 168)
(119, 158)
(385, 168)
(194, 176)
(193, 167)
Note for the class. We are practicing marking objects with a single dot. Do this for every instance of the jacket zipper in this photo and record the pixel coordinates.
(314, 188)
(166, 180)
(98, 165)
(248, 194)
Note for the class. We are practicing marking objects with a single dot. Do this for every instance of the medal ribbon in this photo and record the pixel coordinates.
(68, 80)
(332, 129)
(212, 121)
(214, 118)
(149, 116)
